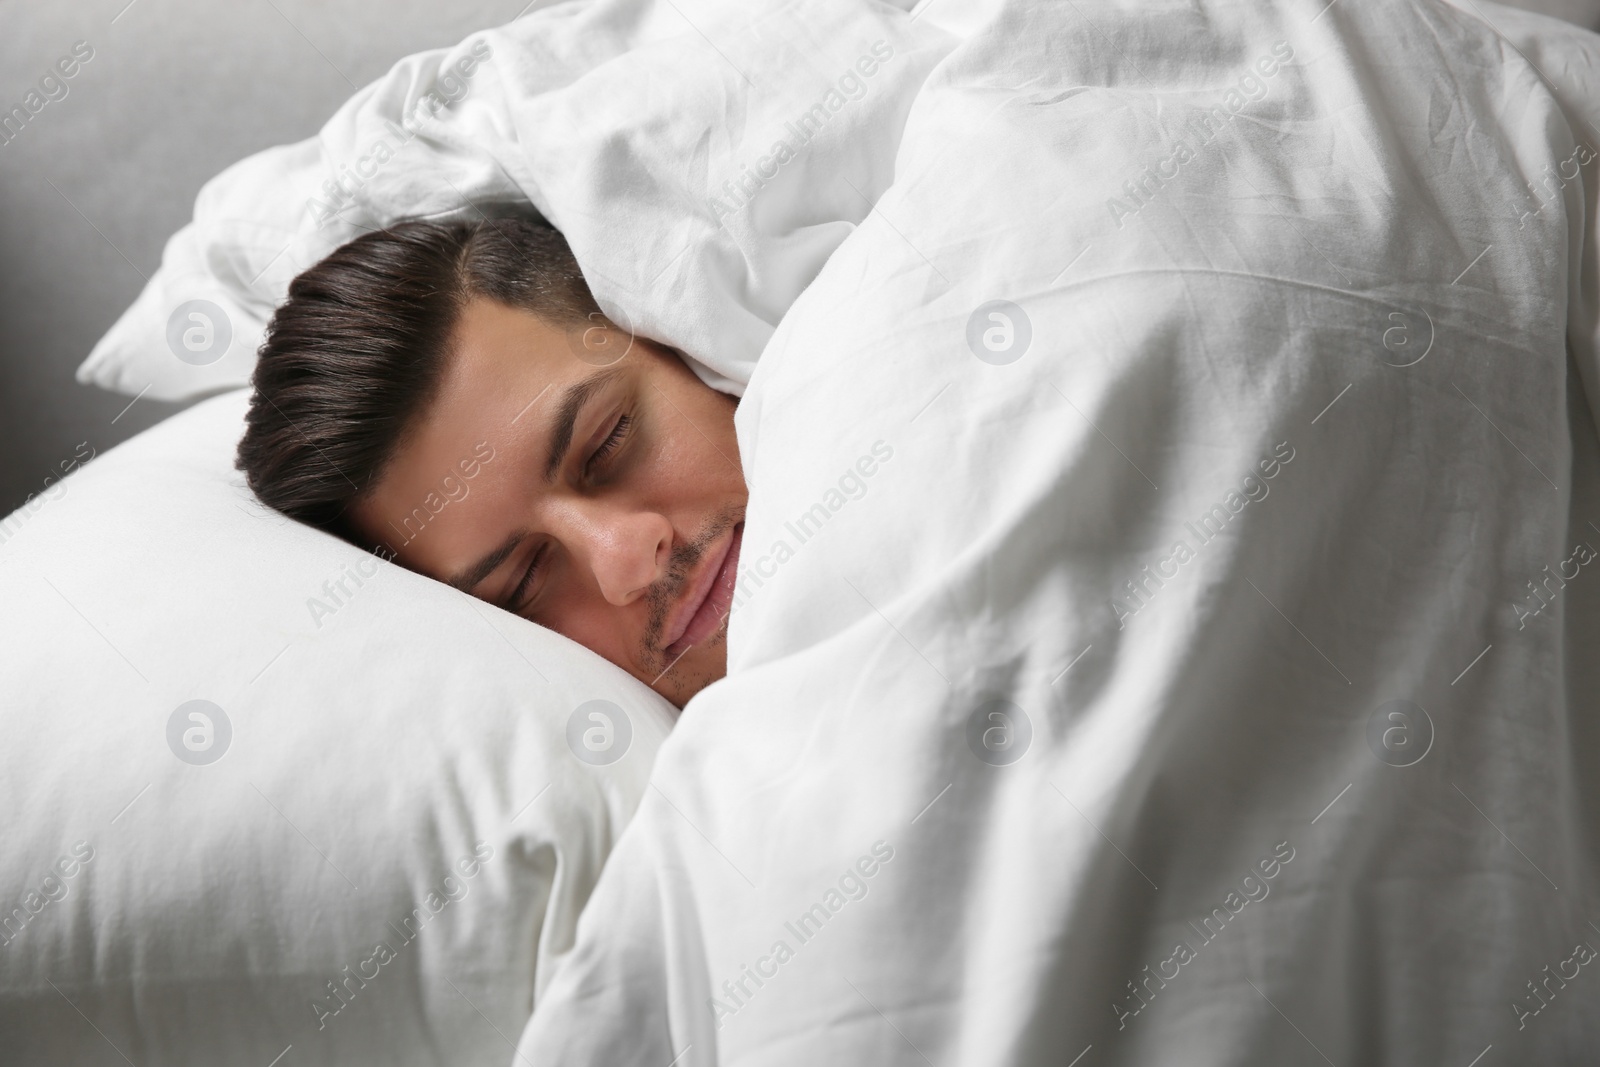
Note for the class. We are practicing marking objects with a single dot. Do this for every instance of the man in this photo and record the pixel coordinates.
(451, 396)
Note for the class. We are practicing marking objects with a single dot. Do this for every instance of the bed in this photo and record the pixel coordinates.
(1163, 632)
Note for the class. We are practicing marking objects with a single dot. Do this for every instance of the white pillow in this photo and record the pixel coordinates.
(406, 794)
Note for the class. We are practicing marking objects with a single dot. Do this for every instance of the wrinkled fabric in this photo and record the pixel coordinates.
(1168, 596)
(637, 127)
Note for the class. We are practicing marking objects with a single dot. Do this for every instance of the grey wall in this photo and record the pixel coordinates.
(91, 189)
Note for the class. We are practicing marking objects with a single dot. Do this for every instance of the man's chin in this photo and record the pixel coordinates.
(695, 669)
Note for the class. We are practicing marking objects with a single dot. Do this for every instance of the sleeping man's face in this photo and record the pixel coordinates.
(611, 504)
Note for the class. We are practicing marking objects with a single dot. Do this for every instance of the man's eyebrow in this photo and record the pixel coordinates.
(572, 402)
(468, 579)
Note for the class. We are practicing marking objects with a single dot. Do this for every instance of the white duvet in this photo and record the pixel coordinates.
(1191, 659)
(1168, 611)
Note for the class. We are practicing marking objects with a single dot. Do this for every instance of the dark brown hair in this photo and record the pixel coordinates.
(358, 350)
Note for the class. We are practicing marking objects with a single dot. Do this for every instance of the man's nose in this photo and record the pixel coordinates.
(627, 551)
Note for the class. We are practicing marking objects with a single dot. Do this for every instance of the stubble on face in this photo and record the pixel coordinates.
(665, 593)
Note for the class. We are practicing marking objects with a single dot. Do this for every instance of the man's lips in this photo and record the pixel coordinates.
(701, 611)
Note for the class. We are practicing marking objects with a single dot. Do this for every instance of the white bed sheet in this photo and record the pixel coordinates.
(1338, 323)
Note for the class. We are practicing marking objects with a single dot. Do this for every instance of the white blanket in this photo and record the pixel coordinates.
(1190, 660)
